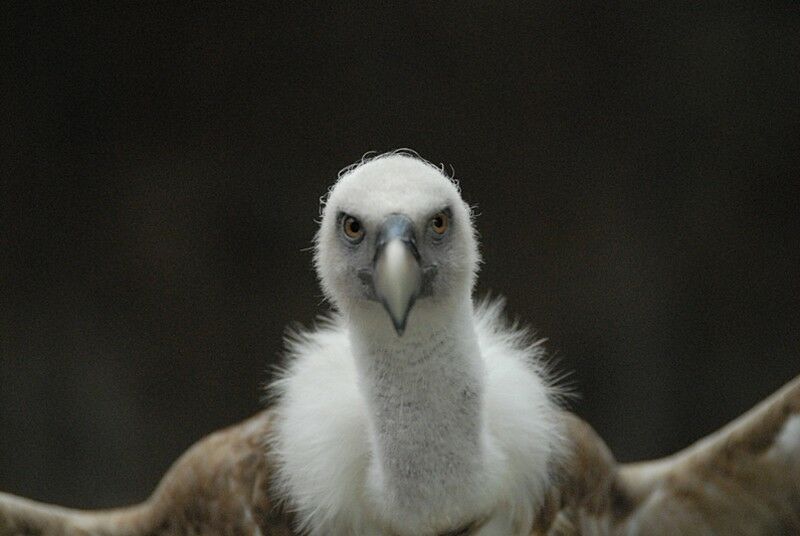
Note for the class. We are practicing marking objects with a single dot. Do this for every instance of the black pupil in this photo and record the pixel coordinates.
(438, 222)
(354, 226)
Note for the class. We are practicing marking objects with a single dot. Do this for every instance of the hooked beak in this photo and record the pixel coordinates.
(397, 277)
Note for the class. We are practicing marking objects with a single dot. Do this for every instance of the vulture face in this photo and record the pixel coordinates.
(395, 232)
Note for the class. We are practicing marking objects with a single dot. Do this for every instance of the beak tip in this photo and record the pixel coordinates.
(400, 328)
(398, 322)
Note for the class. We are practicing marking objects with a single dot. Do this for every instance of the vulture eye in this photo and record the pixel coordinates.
(352, 228)
(440, 223)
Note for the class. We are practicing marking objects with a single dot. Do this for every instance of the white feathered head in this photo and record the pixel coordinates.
(395, 232)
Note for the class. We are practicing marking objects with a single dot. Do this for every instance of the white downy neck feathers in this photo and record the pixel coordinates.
(410, 412)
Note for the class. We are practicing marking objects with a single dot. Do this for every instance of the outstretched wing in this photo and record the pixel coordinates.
(218, 487)
(743, 479)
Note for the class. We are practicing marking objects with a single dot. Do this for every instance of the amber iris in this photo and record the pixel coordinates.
(352, 228)
(440, 222)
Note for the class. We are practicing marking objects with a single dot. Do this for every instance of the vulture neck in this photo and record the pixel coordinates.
(424, 393)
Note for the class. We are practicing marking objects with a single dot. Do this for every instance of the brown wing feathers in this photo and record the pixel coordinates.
(740, 480)
(220, 486)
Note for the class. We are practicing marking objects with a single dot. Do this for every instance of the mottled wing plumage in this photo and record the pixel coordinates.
(581, 502)
(744, 479)
(221, 486)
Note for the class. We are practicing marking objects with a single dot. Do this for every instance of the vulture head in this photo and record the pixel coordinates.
(395, 236)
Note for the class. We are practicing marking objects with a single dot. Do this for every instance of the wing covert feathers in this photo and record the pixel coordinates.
(743, 479)
(220, 486)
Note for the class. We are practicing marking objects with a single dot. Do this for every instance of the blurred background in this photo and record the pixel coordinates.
(637, 174)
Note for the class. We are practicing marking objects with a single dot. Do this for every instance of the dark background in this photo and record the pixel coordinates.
(636, 171)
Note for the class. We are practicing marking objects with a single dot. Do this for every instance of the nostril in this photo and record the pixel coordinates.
(367, 279)
(428, 275)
